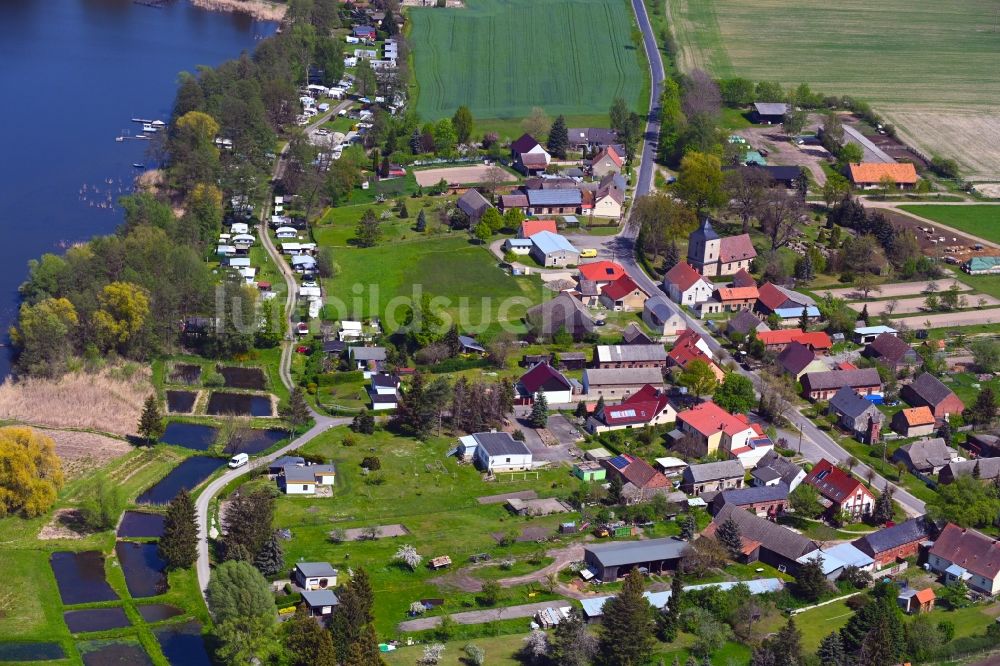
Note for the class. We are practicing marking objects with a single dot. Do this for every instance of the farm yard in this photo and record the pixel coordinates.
(464, 175)
(503, 57)
(930, 68)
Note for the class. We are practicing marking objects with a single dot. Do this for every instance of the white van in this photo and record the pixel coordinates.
(239, 460)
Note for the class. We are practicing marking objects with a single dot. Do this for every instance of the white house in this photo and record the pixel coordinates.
(350, 330)
(965, 554)
(315, 575)
(243, 240)
(239, 228)
(546, 380)
(384, 391)
(303, 263)
(499, 452)
(686, 286)
(303, 480)
(286, 232)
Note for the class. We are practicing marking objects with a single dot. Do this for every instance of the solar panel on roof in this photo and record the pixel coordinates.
(619, 462)
(625, 412)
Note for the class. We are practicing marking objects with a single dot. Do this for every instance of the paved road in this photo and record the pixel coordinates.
(815, 443)
(322, 423)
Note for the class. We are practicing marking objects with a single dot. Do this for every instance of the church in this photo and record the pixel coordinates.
(711, 255)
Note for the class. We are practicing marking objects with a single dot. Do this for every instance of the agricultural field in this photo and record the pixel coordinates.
(929, 68)
(982, 220)
(503, 57)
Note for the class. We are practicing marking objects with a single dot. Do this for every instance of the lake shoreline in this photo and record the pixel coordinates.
(261, 10)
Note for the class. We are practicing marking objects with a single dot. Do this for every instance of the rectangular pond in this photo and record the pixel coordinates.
(243, 378)
(185, 373)
(158, 612)
(31, 652)
(239, 404)
(141, 525)
(183, 645)
(181, 402)
(189, 435)
(144, 569)
(95, 619)
(188, 475)
(255, 441)
(80, 577)
(110, 653)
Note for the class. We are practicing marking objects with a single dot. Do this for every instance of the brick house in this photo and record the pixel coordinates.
(899, 542)
(764, 501)
(928, 391)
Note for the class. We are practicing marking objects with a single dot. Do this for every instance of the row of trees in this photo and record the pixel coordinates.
(473, 406)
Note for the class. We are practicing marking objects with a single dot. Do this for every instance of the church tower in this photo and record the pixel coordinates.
(704, 247)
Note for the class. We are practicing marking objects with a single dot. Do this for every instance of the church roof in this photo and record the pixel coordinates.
(705, 232)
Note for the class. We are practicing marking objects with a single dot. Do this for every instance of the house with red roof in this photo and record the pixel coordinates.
(839, 491)
(531, 227)
(605, 162)
(964, 554)
(785, 304)
(601, 272)
(743, 279)
(714, 428)
(690, 346)
(644, 479)
(623, 295)
(735, 299)
(544, 379)
(646, 407)
(686, 286)
(776, 341)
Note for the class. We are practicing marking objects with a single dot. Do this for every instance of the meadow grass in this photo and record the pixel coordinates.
(982, 221)
(503, 57)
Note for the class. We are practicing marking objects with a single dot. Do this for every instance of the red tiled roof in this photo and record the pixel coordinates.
(969, 549)
(641, 407)
(743, 279)
(925, 595)
(873, 172)
(917, 416)
(621, 288)
(815, 340)
(611, 154)
(846, 365)
(771, 297)
(736, 248)
(686, 349)
(642, 475)
(543, 376)
(832, 482)
(683, 276)
(708, 418)
(531, 227)
(737, 293)
(602, 271)
(782, 336)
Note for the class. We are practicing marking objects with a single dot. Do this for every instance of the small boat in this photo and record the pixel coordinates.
(159, 124)
(137, 165)
(148, 127)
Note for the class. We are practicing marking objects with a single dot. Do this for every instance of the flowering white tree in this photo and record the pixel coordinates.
(537, 643)
(432, 654)
(409, 556)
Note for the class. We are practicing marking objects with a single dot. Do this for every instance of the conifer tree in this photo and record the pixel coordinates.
(539, 416)
(831, 651)
(626, 632)
(865, 317)
(688, 527)
(668, 620)
(297, 411)
(804, 320)
(179, 544)
(883, 510)
(559, 138)
(421, 221)
(581, 409)
(728, 534)
(271, 558)
(307, 643)
(151, 425)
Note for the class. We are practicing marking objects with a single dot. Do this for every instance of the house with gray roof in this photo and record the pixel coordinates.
(927, 456)
(746, 321)
(985, 469)
(824, 385)
(473, 204)
(796, 359)
(630, 356)
(563, 311)
(764, 501)
(713, 476)
(551, 249)
(891, 351)
(764, 540)
(611, 561)
(663, 316)
(618, 383)
(773, 468)
(314, 575)
(320, 603)
(770, 113)
(554, 201)
(890, 545)
(499, 452)
(928, 391)
(856, 414)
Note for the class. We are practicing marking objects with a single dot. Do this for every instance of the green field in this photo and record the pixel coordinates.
(503, 57)
(982, 221)
(930, 68)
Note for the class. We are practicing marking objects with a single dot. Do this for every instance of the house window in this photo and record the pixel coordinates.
(305, 487)
(508, 459)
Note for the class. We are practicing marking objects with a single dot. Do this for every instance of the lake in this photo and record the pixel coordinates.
(74, 73)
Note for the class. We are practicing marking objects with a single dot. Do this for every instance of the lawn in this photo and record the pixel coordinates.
(900, 56)
(503, 57)
(463, 277)
(982, 221)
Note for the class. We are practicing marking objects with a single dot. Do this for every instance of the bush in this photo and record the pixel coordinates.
(371, 463)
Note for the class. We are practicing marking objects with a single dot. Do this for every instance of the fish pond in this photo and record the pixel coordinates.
(183, 645)
(110, 653)
(96, 619)
(80, 577)
(144, 569)
(189, 435)
(31, 652)
(239, 404)
(186, 476)
(159, 612)
(185, 373)
(255, 441)
(243, 378)
(181, 402)
(141, 525)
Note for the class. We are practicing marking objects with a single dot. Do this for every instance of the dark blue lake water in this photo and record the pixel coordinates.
(73, 73)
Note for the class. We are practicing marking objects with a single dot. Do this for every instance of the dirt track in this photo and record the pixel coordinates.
(945, 319)
(464, 175)
(895, 290)
(916, 304)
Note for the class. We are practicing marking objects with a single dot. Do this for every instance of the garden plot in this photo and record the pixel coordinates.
(916, 304)
(381, 532)
(897, 289)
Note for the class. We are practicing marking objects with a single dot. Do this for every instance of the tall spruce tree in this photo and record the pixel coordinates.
(351, 626)
(626, 633)
(416, 413)
(831, 651)
(571, 644)
(559, 138)
(728, 534)
(883, 509)
(421, 221)
(297, 411)
(270, 560)
(151, 425)
(539, 417)
(307, 643)
(668, 619)
(179, 544)
(688, 527)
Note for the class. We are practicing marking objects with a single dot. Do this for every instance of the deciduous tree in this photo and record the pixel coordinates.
(698, 377)
(735, 394)
(30, 472)
(237, 591)
(700, 182)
